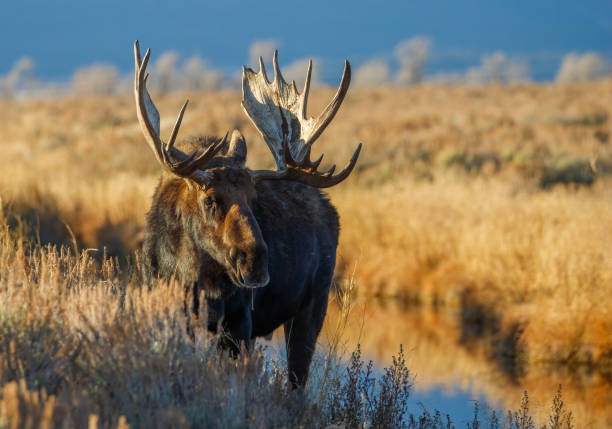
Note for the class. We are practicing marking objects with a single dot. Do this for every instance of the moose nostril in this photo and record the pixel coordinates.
(237, 257)
(232, 254)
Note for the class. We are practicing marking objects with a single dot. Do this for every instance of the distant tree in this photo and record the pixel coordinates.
(452, 78)
(10, 82)
(165, 72)
(411, 56)
(261, 48)
(494, 68)
(372, 73)
(582, 68)
(196, 75)
(297, 71)
(95, 79)
(498, 68)
(37, 88)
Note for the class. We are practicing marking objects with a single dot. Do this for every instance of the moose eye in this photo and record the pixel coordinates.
(209, 204)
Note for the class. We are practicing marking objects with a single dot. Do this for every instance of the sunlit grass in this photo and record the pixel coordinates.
(494, 202)
(534, 259)
(84, 344)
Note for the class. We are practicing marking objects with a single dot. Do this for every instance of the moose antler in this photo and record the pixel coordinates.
(278, 111)
(171, 158)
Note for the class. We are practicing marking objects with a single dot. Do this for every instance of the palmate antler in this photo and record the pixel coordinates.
(171, 158)
(278, 111)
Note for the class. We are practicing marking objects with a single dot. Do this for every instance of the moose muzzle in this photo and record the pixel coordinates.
(248, 254)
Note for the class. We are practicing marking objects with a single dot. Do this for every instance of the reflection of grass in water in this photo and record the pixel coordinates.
(439, 355)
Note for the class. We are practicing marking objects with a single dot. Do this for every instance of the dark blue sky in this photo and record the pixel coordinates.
(61, 35)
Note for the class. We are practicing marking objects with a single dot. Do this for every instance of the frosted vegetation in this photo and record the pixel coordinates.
(406, 65)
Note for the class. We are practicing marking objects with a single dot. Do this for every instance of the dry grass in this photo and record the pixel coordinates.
(102, 345)
(538, 260)
(84, 344)
(492, 201)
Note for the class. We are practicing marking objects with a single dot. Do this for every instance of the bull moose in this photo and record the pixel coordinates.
(260, 244)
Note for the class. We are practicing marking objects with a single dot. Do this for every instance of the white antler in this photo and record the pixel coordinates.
(278, 111)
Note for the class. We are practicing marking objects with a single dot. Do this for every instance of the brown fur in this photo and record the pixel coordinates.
(279, 230)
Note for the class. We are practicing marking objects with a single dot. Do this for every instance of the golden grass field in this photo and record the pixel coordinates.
(494, 202)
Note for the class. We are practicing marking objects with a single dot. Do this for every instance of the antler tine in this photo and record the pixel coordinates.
(211, 151)
(323, 120)
(176, 127)
(262, 69)
(306, 89)
(196, 160)
(330, 171)
(347, 170)
(315, 164)
(278, 77)
(151, 135)
(137, 58)
(306, 172)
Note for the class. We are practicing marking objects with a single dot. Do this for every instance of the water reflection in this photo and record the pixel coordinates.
(457, 403)
(452, 370)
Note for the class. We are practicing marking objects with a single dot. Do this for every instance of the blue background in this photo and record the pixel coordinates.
(61, 35)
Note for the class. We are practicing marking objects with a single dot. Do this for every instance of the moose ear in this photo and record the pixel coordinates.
(237, 149)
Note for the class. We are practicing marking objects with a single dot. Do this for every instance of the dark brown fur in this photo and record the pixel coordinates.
(284, 230)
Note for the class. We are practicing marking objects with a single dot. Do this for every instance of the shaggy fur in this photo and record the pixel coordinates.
(290, 228)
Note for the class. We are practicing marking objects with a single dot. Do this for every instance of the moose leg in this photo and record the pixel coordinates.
(215, 312)
(237, 327)
(301, 334)
(191, 307)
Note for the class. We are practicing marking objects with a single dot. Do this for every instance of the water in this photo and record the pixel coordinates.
(457, 403)
(451, 398)
(452, 370)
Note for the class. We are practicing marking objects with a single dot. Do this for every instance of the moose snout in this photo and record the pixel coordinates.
(250, 265)
(248, 253)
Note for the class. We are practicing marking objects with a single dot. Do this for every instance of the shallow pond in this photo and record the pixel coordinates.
(451, 370)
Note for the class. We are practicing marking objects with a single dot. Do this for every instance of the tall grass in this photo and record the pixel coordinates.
(535, 259)
(494, 202)
(84, 344)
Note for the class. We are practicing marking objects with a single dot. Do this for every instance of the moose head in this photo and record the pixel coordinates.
(214, 189)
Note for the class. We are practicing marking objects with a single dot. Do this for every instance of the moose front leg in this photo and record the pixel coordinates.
(301, 335)
(300, 343)
(215, 313)
(191, 308)
(213, 310)
(237, 326)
